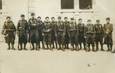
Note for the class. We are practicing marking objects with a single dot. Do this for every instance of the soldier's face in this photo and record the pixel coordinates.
(22, 18)
(8, 19)
(80, 21)
(53, 19)
(39, 19)
(98, 22)
(32, 16)
(47, 19)
(89, 22)
(108, 21)
(66, 19)
(59, 19)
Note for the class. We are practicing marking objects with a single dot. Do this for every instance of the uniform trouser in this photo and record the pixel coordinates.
(60, 39)
(99, 39)
(54, 40)
(47, 40)
(108, 40)
(10, 38)
(90, 40)
(73, 39)
(66, 40)
(40, 40)
(23, 40)
(81, 40)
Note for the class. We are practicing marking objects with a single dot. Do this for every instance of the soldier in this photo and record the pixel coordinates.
(33, 30)
(66, 33)
(22, 29)
(47, 33)
(60, 33)
(108, 29)
(40, 31)
(90, 35)
(54, 32)
(9, 31)
(82, 32)
(98, 28)
(73, 34)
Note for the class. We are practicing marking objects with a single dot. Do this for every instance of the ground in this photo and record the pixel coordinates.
(45, 61)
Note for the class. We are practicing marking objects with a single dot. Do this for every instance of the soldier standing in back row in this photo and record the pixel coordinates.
(54, 33)
(108, 29)
(9, 31)
(90, 35)
(60, 33)
(82, 32)
(33, 31)
(47, 33)
(73, 34)
(22, 30)
(40, 31)
(66, 33)
(98, 28)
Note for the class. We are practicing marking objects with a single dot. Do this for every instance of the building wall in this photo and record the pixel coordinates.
(13, 8)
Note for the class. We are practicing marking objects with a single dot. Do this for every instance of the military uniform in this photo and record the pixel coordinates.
(60, 34)
(33, 30)
(81, 35)
(40, 31)
(98, 28)
(9, 30)
(66, 34)
(73, 35)
(90, 36)
(108, 29)
(47, 34)
(22, 29)
(54, 33)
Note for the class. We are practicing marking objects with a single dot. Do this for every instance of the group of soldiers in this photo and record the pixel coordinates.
(60, 34)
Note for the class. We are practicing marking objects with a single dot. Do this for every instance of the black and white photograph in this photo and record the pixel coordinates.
(57, 36)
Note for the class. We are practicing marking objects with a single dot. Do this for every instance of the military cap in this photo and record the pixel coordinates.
(65, 17)
(52, 17)
(107, 18)
(8, 17)
(72, 18)
(32, 14)
(46, 17)
(97, 20)
(79, 19)
(22, 15)
(88, 20)
(39, 17)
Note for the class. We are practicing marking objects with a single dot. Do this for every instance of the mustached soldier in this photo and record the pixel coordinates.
(47, 33)
(66, 33)
(90, 35)
(73, 34)
(54, 30)
(108, 29)
(33, 30)
(9, 30)
(82, 32)
(98, 28)
(60, 33)
(22, 29)
(40, 31)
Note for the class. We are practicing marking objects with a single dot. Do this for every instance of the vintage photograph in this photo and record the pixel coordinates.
(57, 36)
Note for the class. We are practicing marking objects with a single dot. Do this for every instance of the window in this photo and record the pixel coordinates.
(0, 4)
(67, 4)
(85, 4)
